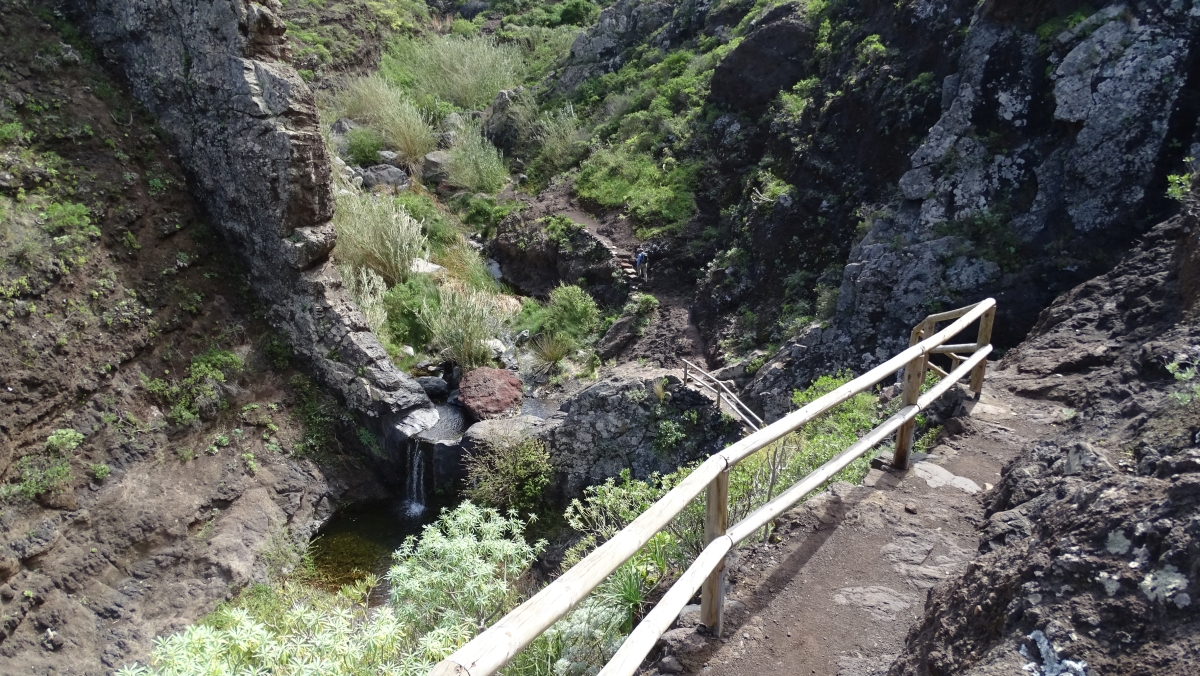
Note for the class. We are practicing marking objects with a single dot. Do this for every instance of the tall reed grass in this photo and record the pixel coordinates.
(464, 319)
(378, 234)
(475, 164)
(385, 107)
(467, 72)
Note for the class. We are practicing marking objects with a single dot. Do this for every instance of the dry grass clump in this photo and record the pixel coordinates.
(367, 289)
(465, 71)
(378, 234)
(384, 107)
(465, 318)
(475, 164)
(549, 349)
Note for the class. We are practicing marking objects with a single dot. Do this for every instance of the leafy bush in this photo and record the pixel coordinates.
(363, 145)
(509, 473)
(655, 197)
(100, 471)
(43, 474)
(670, 434)
(475, 164)
(871, 49)
(201, 392)
(457, 576)
(577, 13)
(373, 101)
(63, 441)
(571, 312)
(13, 132)
(467, 72)
(377, 233)
(403, 304)
(463, 320)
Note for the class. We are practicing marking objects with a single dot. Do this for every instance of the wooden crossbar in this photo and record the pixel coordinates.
(497, 645)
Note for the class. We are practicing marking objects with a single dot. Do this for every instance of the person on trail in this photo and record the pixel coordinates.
(642, 266)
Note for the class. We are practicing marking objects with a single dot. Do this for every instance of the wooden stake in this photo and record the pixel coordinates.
(985, 338)
(914, 377)
(716, 521)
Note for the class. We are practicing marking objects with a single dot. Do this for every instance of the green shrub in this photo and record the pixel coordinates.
(402, 127)
(201, 392)
(438, 230)
(571, 312)
(475, 164)
(467, 72)
(13, 132)
(827, 297)
(463, 28)
(100, 471)
(378, 234)
(41, 474)
(363, 145)
(670, 434)
(871, 49)
(403, 304)
(509, 473)
(577, 13)
(460, 574)
(63, 441)
(658, 199)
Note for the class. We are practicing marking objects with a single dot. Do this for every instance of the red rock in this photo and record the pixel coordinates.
(489, 393)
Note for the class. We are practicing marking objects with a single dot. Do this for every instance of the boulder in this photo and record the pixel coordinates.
(437, 167)
(434, 387)
(385, 175)
(502, 127)
(618, 337)
(390, 157)
(489, 393)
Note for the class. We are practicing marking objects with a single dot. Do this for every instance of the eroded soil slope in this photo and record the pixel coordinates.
(150, 426)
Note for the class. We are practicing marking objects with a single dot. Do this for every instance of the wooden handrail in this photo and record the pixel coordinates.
(750, 417)
(496, 646)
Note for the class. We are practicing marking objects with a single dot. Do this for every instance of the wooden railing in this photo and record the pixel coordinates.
(492, 649)
(709, 382)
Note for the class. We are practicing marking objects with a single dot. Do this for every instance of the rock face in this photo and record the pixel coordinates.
(536, 259)
(1048, 158)
(489, 393)
(768, 60)
(620, 424)
(245, 127)
(1091, 551)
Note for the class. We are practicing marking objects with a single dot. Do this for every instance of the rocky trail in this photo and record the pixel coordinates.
(847, 572)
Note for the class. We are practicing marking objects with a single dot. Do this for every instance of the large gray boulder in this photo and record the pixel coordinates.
(214, 74)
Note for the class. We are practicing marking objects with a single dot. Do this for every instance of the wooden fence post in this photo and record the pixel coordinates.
(984, 338)
(914, 377)
(716, 521)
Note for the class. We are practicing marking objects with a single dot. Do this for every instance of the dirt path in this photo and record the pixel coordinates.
(671, 334)
(838, 592)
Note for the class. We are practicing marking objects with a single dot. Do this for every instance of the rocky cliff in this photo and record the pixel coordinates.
(216, 78)
(1049, 156)
(1090, 555)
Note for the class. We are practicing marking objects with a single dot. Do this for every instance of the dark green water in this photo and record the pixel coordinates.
(360, 539)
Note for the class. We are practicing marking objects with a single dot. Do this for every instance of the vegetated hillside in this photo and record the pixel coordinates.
(155, 444)
(1090, 558)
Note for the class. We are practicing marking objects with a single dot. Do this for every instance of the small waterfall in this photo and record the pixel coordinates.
(414, 487)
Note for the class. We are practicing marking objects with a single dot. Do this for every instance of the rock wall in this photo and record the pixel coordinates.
(1091, 551)
(1049, 157)
(215, 76)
